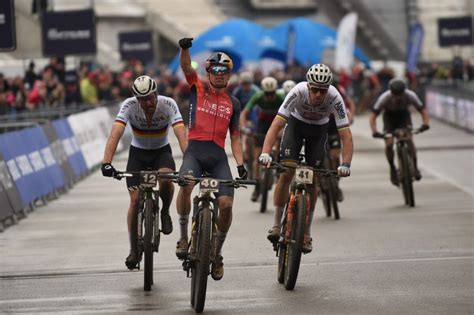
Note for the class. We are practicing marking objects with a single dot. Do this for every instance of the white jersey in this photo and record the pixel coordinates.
(390, 104)
(297, 104)
(155, 136)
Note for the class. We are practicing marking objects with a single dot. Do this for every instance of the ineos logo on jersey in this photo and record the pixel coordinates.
(215, 110)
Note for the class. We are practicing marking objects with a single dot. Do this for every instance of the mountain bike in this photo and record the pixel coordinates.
(295, 218)
(147, 220)
(201, 249)
(406, 165)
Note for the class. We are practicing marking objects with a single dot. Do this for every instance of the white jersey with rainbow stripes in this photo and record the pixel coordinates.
(155, 136)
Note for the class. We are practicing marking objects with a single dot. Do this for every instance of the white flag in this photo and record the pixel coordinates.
(345, 44)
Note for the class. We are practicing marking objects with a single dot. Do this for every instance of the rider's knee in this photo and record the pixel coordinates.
(225, 204)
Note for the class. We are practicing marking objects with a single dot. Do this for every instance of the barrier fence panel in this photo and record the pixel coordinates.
(9, 187)
(70, 146)
(58, 152)
(6, 209)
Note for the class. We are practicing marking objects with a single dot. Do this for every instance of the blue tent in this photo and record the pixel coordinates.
(237, 37)
(304, 42)
(300, 40)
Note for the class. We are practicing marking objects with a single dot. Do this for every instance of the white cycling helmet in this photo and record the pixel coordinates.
(269, 84)
(246, 77)
(320, 76)
(288, 85)
(144, 86)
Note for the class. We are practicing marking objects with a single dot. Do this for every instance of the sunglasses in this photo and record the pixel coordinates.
(219, 70)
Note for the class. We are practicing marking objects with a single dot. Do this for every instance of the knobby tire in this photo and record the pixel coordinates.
(293, 250)
(148, 245)
(201, 265)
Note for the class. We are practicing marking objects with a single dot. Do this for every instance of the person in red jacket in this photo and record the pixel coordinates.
(212, 113)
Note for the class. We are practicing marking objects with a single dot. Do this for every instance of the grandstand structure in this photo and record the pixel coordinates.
(382, 27)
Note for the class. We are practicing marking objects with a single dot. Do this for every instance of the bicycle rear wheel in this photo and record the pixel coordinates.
(293, 249)
(148, 245)
(407, 180)
(200, 269)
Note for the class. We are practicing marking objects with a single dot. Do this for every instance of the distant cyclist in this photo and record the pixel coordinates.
(150, 116)
(244, 92)
(286, 87)
(267, 102)
(305, 115)
(334, 141)
(213, 113)
(395, 104)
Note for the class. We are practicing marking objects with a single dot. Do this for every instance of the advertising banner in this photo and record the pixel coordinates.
(91, 129)
(70, 146)
(415, 42)
(137, 45)
(455, 31)
(345, 42)
(58, 152)
(7, 26)
(69, 33)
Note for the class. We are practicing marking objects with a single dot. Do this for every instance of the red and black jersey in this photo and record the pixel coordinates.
(211, 113)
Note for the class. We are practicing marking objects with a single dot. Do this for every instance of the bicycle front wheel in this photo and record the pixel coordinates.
(148, 245)
(333, 193)
(294, 247)
(200, 269)
(325, 196)
(407, 180)
(265, 184)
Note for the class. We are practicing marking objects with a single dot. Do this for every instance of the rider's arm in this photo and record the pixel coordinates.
(425, 116)
(112, 142)
(272, 134)
(237, 149)
(373, 121)
(347, 144)
(182, 136)
(243, 117)
(185, 61)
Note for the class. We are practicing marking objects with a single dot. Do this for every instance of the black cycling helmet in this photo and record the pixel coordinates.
(219, 59)
(397, 86)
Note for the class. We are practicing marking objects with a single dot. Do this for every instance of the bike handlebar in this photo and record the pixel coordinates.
(396, 132)
(321, 172)
(183, 180)
(120, 174)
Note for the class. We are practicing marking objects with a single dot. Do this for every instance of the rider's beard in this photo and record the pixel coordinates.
(218, 83)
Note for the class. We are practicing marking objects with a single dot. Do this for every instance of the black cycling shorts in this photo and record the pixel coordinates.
(315, 142)
(396, 119)
(142, 159)
(206, 156)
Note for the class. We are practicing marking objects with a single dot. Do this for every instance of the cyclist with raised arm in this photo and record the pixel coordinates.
(395, 104)
(150, 116)
(305, 116)
(213, 112)
(267, 103)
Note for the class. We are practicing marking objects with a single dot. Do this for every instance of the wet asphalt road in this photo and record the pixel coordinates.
(381, 257)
